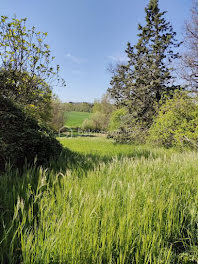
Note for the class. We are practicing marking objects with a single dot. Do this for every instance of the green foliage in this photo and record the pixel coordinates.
(190, 56)
(130, 131)
(88, 124)
(133, 205)
(95, 122)
(102, 109)
(57, 114)
(22, 139)
(176, 123)
(24, 50)
(145, 80)
(116, 119)
(98, 120)
(78, 107)
(76, 119)
(36, 99)
(26, 67)
(104, 105)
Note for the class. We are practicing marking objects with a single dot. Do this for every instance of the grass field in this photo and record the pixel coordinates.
(75, 119)
(103, 203)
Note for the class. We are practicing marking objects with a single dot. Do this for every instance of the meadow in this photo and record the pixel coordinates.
(102, 203)
(75, 119)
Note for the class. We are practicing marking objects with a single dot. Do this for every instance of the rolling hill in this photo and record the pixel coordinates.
(75, 119)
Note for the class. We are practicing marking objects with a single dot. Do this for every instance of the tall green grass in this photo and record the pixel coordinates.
(100, 146)
(108, 204)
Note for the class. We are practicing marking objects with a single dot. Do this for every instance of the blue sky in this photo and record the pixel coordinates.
(86, 36)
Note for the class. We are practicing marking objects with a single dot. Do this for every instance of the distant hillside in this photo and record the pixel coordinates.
(75, 119)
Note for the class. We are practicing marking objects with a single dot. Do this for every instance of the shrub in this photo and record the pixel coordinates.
(136, 134)
(124, 128)
(177, 123)
(87, 124)
(97, 121)
(116, 119)
(22, 138)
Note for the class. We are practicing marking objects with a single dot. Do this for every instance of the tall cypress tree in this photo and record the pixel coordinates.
(142, 84)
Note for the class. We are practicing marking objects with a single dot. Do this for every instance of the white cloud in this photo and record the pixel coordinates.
(118, 58)
(75, 59)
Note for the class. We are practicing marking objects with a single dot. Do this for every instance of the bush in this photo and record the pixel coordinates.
(116, 119)
(88, 124)
(177, 123)
(22, 138)
(97, 121)
(124, 128)
(136, 134)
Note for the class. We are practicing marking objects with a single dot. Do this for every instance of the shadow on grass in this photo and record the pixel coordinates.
(19, 187)
(86, 162)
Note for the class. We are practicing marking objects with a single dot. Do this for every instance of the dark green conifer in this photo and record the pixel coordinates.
(142, 84)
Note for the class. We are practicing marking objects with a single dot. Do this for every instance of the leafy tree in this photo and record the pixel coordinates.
(85, 107)
(105, 108)
(26, 71)
(26, 74)
(176, 123)
(120, 85)
(142, 84)
(58, 114)
(88, 124)
(78, 107)
(96, 122)
(117, 119)
(68, 107)
(190, 57)
(22, 138)
(104, 105)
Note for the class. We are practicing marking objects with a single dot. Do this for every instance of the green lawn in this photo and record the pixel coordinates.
(75, 119)
(103, 203)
